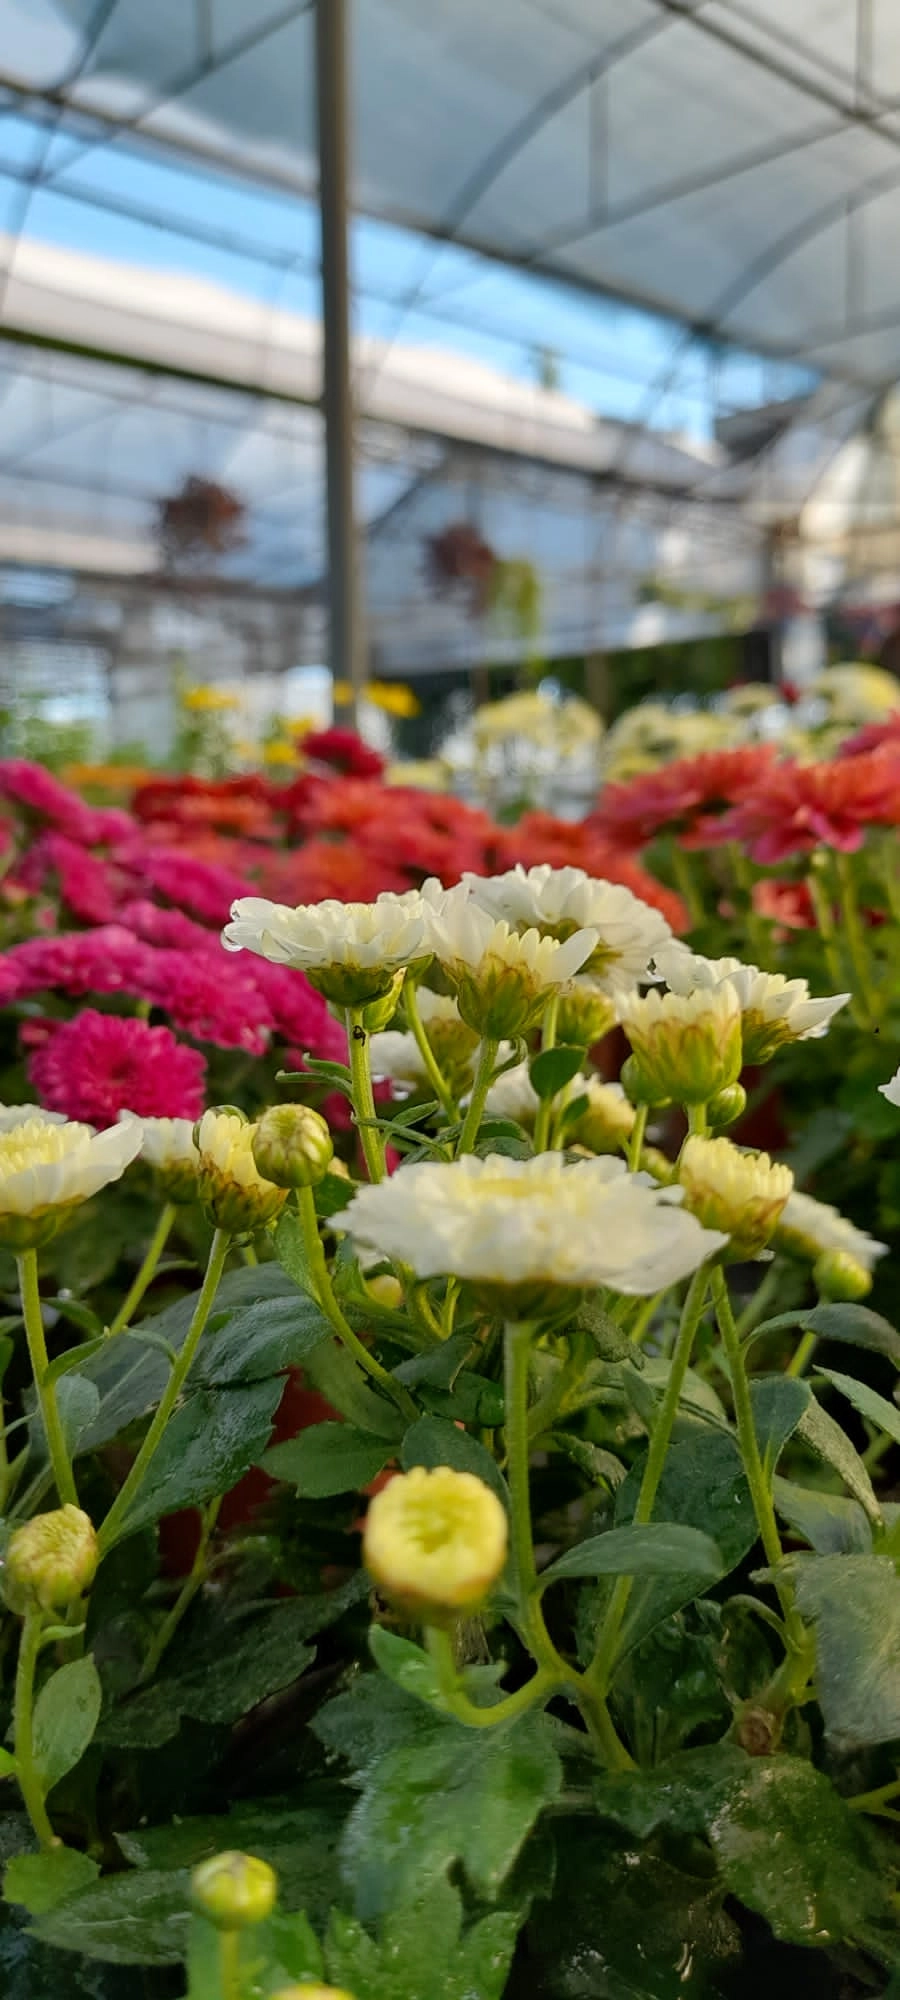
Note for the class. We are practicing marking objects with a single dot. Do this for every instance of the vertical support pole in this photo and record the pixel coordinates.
(346, 650)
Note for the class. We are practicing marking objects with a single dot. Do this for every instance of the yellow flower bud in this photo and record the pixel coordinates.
(312, 1993)
(688, 1046)
(234, 1193)
(51, 1561)
(742, 1194)
(608, 1117)
(586, 1013)
(292, 1146)
(234, 1891)
(386, 1290)
(377, 1013)
(838, 1276)
(435, 1542)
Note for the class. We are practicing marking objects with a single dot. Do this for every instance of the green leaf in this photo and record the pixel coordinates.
(779, 1402)
(131, 1377)
(78, 1402)
(327, 1459)
(554, 1068)
(825, 1439)
(854, 1604)
(341, 1381)
(680, 1796)
(260, 1340)
(290, 1249)
(857, 1325)
(210, 1442)
(422, 1952)
(601, 1467)
(8, 1766)
(831, 1524)
(407, 1665)
(789, 1847)
(657, 1549)
(75, 1357)
(435, 1441)
(140, 1919)
(300, 1842)
(876, 1409)
(66, 1714)
(39, 1881)
(609, 1340)
(240, 1663)
(703, 1486)
(450, 1796)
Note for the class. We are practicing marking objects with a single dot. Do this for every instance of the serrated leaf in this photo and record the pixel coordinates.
(789, 1847)
(422, 1953)
(854, 1605)
(407, 1665)
(451, 1796)
(436, 1441)
(40, 1881)
(876, 1409)
(704, 1486)
(290, 1249)
(328, 1458)
(210, 1442)
(139, 1919)
(341, 1381)
(66, 1714)
(552, 1069)
(260, 1340)
(857, 1325)
(829, 1522)
(827, 1441)
(660, 1548)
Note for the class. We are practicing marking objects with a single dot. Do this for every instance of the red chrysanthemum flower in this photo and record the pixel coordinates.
(343, 749)
(97, 1065)
(787, 904)
(668, 800)
(797, 807)
(872, 737)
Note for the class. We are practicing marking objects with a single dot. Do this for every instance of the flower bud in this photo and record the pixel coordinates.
(586, 1013)
(50, 1561)
(607, 1119)
(386, 1291)
(435, 1542)
(292, 1146)
(742, 1194)
(377, 1013)
(688, 1046)
(838, 1276)
(638, 1086)
(657, 1163)
(234, 1193)
(312, 1993)
(727, 1106)
(234, 1891)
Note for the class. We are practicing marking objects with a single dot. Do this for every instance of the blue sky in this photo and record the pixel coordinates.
(612, 357)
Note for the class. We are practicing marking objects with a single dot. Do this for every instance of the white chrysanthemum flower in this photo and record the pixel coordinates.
(169, 1147)
(231, 1187)
(435, 1541)
(607, 1120)
(12, 1115)
(743, 1193)
(891, 1090)
(812, 1228)
(47, 1168)
(397, 1057)
(774, 1010)
(687, 1045)
(559, 901)
(512, 1094)
(349, 951)
(523, 1229)
(503, 980)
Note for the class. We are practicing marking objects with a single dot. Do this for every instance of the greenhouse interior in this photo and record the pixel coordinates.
(449, 769)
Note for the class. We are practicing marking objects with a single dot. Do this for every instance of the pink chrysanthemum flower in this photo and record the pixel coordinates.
(97, 1065)
(109, 959)
(204, 888)
(205, 999)
(82, 879)
(171, 930)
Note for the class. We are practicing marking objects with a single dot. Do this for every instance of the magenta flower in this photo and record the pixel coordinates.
(97, 1065)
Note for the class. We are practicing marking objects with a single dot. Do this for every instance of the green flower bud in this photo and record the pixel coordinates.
(586, 1013)
(234, 1891)
(838, 1276)
(377, 1013)
(727, 1106)
(292, 1146)
(50, 1561)
(638, 1086)
(688, 1046)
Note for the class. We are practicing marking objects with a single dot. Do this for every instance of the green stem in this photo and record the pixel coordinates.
(685, 884)
(433, 1071)
(30, 1784)
(757, 1480)
(856, 939)
(821, 902)
(697, 1123)
(802, 1355)
(538, 1688)
(644, 1315)
(599, 1673)
(5, 1475)
(545, 1108)
(487, 1057)
(191, 1585)
(26, 1263)
(517, 1347)
(230, 1982)
(636, 1142)
(324, 1294)
(363, 1100)
(872, 1802)
(117, 1516)
(147, 1271)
